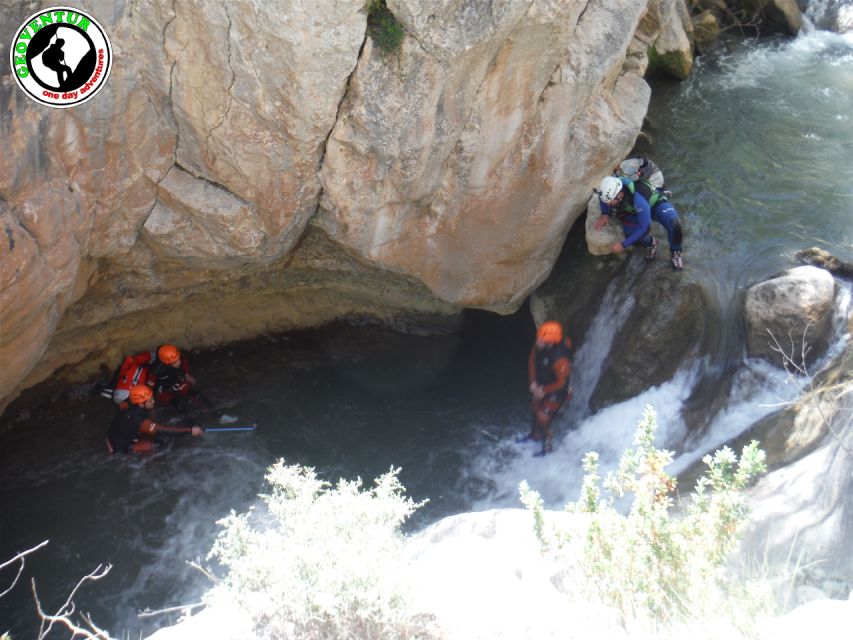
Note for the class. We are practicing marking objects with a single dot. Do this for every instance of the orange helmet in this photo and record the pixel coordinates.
(168, 354)
(140, 393)
(550, 332)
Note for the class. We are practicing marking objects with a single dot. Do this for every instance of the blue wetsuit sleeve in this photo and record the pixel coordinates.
(644, 220)
(605, 208)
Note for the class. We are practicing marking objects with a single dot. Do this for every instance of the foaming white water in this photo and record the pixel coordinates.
(187, 529)
(766, 67)
(758, 390)
(836, 15)
(616, 305)
(558, 476)
(841, 312)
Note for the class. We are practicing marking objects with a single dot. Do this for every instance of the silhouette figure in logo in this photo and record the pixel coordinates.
(54, 59)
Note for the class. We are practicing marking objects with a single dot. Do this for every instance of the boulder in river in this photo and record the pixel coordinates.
(793, 310)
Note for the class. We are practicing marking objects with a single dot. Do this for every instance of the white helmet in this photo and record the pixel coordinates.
(609, 188)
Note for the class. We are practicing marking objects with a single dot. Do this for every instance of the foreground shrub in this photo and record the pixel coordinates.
(319, 561)
(651, 564)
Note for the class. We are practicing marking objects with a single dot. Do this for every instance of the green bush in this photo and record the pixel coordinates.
(653, 565)
(319, 561)
(383, 28)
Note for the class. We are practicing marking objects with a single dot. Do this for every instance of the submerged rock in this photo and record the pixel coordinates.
(825, 260)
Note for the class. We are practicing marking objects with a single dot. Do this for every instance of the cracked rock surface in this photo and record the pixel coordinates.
(231, 138)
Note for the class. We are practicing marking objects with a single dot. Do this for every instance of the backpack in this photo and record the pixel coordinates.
(647, 178)
(132, 370)
(640, 168)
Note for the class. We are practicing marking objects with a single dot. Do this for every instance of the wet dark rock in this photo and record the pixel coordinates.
(666, 327)
(819, 258)
(798, 429)
(572, 293)
(706, 30)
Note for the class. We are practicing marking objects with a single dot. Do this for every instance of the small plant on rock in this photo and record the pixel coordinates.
(383, 28)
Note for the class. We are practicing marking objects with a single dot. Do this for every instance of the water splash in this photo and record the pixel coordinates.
(616, 306)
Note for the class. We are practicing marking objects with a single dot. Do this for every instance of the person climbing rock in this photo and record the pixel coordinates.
(133, 429)
(636, 204)
(173, 385)
(549, 368)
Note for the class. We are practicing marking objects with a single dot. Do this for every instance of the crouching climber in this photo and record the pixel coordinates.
(636, 203)
(548, 368)
(133, 429)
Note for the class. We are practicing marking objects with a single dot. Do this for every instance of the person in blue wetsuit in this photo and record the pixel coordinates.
(636, 204)
(665, 214)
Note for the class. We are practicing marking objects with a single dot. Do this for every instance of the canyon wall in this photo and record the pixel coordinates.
(250, 169)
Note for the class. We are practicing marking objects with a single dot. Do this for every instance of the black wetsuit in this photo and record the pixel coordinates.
(550, 368)
(125, 427)
(168, 380)
(171, 388)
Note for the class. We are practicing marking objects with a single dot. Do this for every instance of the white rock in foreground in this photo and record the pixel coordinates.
(482, 576)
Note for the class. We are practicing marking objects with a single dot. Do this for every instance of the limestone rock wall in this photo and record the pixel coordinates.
(464, 159)
(449, 170)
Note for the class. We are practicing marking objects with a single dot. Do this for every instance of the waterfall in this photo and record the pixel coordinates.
(616, 306)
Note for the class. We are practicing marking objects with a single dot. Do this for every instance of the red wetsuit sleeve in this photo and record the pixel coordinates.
(169, 429)
(562, 369)
(148, 428)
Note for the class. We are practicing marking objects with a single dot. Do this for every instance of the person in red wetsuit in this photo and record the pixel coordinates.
(173, 385)
(134, 431)
(549, 367)
(169, 376)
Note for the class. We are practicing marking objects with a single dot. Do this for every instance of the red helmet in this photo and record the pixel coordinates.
(168, 354)
(140, 393)
(550, 332)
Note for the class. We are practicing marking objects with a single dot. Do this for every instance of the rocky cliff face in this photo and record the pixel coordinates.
(255, 168)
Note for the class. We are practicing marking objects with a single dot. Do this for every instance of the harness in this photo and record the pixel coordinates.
(545, 364)
(649, 192)
(626, 207)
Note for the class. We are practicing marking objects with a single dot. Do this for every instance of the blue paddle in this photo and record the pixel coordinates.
(250, 427)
